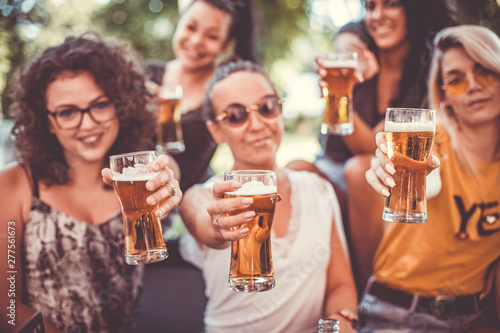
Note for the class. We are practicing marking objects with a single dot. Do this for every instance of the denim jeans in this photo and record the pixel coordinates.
(378, 316)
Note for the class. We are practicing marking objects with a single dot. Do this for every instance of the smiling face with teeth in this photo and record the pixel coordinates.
(91, 141)
(386, 22)
(201, 35)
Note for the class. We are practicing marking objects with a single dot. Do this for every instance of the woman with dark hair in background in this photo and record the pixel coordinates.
(76, 105)
(206, 29)
(393, 43)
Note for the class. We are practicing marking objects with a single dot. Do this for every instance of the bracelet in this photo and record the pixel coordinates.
(349, 315)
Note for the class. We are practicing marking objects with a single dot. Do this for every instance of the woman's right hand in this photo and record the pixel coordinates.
(379, 176)
(225, 226)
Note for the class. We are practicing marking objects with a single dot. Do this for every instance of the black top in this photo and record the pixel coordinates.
(200, 147)
(365, 103)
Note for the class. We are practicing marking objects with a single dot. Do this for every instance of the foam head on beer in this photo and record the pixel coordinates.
(393, 126)
(255, 187)
(139, 172)
(171, 92)
(339, 63)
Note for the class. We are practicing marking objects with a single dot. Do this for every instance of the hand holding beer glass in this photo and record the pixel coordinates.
(169, 129)
(340, 78)
(409, 134)
(251, 266)
(144, 241)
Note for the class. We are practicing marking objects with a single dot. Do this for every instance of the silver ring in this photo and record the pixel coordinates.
(174, 189)
(216, 221)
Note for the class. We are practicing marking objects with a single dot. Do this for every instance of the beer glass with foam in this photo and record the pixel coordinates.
(144, 241)
(409, 134)
(169, 129)
(341, 69)
(251, 266)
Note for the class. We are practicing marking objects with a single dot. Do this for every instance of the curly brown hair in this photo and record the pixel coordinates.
(116, 70)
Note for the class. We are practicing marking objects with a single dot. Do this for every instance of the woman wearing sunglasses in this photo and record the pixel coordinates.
(434, 277)
(313, 276)
(61, 237)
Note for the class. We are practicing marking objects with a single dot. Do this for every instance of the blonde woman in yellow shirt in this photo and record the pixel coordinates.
(432, 277)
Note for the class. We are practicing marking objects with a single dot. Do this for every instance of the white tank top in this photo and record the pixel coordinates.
(300, 261)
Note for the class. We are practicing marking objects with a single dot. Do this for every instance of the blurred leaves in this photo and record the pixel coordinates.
(286, 37)
(482, 12)
(150, 26)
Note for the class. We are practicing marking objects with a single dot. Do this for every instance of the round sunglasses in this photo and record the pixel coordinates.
(236, 115)
(458, 84)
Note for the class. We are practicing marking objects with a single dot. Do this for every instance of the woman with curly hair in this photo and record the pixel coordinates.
(76, 105)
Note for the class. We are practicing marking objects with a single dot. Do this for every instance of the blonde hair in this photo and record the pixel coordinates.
(483, 46)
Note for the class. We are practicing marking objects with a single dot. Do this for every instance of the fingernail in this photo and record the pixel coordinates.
(390, 169)
(389, 181)
(249, 215)
(151, 201)
(150, 186)
(385, 193)
(236, 185)
(246, 201)
(159, 212)
(244, 231)
(435, 161)
(383, 148)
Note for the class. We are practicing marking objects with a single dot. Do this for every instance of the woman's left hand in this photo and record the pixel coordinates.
(165, 186)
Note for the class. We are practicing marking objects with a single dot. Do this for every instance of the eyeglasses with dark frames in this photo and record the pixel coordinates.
(72, 117)
(236, 115)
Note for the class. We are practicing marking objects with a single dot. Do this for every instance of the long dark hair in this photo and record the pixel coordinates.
(242, 28)
(425, 18)
(115, 69)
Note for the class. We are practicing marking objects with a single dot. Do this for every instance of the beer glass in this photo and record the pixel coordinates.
(144, 241)
(251, 266)
(341, 69)
(409, 134)
(169, 129)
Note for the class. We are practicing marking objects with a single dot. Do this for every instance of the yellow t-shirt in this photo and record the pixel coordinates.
(430, 258)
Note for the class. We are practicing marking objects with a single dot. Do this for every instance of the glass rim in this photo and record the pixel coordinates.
(339, 53)
(409, 109)
(250, 172)
(143, 152)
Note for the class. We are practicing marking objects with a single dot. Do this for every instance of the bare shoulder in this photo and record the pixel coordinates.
(16, 194)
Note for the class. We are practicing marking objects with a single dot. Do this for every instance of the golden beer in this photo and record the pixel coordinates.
(169, 129)
(340, 79)
(251, 258)
(409, 146)
(251, 267)
(144, 241)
